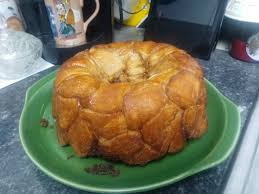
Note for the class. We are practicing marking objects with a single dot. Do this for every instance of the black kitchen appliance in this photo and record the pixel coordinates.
(99, 31)
(192, 25)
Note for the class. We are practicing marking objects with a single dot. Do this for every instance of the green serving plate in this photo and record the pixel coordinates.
(41, 146)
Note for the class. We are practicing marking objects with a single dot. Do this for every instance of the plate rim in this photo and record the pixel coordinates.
(198, 167)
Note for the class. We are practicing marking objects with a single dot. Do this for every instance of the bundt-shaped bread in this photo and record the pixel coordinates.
(129, 101)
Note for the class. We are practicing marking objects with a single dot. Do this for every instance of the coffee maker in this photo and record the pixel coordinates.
(100, 30)
(192, 25)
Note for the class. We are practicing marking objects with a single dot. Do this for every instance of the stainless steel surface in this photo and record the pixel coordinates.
(245, 173)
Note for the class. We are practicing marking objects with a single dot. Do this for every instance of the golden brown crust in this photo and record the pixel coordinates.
(129, 101)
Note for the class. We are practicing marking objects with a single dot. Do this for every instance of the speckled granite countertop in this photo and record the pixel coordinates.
(237, 80)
